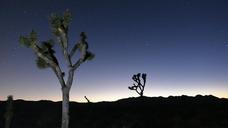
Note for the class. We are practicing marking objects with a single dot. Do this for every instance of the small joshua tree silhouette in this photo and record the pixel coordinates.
(9, 111)
(139, 88)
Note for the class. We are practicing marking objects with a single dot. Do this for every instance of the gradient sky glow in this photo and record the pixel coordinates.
(180, 44)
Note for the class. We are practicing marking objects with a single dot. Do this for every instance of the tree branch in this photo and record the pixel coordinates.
(59, 75)
(53, 65)
(70, 77)
(137, 91)
(39, 54)
(73, 50)
(77, 64)
(64, 47)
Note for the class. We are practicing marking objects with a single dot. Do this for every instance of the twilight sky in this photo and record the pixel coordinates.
(182, 45)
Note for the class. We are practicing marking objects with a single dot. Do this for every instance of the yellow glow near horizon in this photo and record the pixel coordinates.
(115, 93)
(113, 97)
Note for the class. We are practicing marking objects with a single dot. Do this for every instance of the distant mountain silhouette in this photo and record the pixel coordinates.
(140, 112)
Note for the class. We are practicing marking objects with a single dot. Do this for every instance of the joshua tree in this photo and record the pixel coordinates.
(46, 56)
(139, 88)
(9, 111)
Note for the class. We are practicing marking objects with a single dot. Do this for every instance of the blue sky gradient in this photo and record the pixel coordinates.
(180, 44)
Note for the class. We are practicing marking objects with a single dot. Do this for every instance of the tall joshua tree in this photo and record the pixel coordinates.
(139, 87)
(46, 56)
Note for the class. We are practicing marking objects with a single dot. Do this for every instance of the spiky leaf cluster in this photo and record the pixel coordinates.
(67, 17)
(83, 46)
(47, 50)
(28, 41)
(59, 23)
(89, 56)
(41, 64)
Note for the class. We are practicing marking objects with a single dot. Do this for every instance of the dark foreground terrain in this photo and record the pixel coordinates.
(144, 112)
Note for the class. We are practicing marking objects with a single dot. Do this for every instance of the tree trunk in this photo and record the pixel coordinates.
(141, 94)
(7, 123)
(65, 107)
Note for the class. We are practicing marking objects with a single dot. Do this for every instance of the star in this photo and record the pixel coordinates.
(25, 12)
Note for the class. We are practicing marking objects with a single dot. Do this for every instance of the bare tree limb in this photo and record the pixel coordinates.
(53, 65)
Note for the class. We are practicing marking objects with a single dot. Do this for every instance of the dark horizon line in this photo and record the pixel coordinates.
(170, 96)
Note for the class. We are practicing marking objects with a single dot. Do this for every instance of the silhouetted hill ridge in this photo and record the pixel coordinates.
(173, 99)
(144, 98)
(134, 112)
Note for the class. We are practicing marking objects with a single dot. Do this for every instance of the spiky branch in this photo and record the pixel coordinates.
(140, 83)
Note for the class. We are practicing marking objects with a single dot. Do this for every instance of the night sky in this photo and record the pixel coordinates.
(182, 45)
